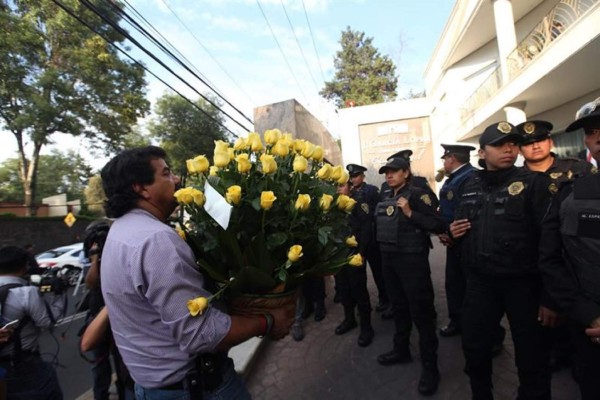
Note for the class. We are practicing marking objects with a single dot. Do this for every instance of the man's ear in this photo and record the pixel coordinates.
(140, 190)
(481, 153)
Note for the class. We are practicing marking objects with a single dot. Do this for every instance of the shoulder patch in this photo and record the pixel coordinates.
(450, 195)
(426, 199)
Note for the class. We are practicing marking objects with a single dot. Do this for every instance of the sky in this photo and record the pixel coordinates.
(258, 52)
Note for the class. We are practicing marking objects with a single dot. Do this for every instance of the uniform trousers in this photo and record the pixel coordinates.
(352, 286)
(456, 284)
(408, 282)
(374, 260)
(587, 363)
(488, 297)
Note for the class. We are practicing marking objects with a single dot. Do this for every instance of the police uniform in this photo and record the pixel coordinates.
(352, 281)
(368, 195)
(455, 278)
(417, 181)
(505, 208)
(569, 254)
(404, 245)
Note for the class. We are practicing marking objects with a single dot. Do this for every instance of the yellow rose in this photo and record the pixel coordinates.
(343, 178)
(280, 149)
(184, 196)
(336, 172)
(288, 140)
(197, 306)
(298, 145)
(180, 232)
(213, 170)
(303, 202)
(318, 154)
(221, 146)
(266, 200)
(356, 260)
(268, 164)
(197, 164)
(231, 153)
(234, 194)
(300, 164)
(272, 136)
(240, 144)
(254, 142)
(221, 159)
(243, 163)
(324, 172)
(198, 196)
(294, 253)
(325, 202)
(308, 149)
(345, 203)
(351, 241)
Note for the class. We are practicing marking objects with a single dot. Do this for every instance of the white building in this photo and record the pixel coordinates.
(497, 60)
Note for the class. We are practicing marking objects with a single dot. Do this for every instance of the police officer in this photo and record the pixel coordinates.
(351, 281)
(368, 196)
(404, 219)
(417, 181)
(535, 147)
(458, 168)
(591, 132)
(497, 226)
(569, 254)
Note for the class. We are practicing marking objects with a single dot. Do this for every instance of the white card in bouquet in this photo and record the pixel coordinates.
(216, 206)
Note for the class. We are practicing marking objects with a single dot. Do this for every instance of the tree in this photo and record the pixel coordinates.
(56, 75)
(58, 173)
(94, 196)
(362, 76)
(185, 132)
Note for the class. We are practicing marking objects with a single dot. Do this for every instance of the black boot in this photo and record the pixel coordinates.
(367, 333)
(430, 379)
(320, 310)
(309, 308)
(396, 356)
(348, 323)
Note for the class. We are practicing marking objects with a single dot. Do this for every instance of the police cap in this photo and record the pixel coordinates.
(498, 134)
(588, 113)
(355, 169)
(395, 164)
(456, 149)
(534, 131)
(405, 154)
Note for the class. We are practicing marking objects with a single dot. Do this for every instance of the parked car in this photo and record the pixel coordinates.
(66, 258)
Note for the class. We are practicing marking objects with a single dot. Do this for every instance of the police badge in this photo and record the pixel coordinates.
(552, 188)
(504, 127)
(389, 210)
(529, 128)
(515, 188)
(556, 175)
(426, 199)
(450, 195)
(365, 207)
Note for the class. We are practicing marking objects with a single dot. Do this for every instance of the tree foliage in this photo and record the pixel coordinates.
(56, 75)
(94, 196)
(58, 173)
(363, 76)
(184, 131)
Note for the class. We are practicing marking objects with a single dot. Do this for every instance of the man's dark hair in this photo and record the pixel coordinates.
(127, 168)
(13, 259)
(462, 157)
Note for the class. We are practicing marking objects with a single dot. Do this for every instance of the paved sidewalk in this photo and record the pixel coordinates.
(328, 366)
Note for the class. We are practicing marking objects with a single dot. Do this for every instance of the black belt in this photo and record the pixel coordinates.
(173, 386)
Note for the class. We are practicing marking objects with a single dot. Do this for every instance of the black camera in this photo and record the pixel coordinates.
(51, 282)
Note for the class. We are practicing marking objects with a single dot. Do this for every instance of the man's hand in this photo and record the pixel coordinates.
(594, 331)
(549, 318)
(283, 318)
(445, 240)
(5, 335)
(459, 228)
(404, 206)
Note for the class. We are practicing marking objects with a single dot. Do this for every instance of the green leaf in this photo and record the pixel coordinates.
(324, 233)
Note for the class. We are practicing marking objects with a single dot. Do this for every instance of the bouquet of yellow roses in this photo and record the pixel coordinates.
(287, 221)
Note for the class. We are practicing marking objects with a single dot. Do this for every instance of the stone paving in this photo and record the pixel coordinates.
(328, 366)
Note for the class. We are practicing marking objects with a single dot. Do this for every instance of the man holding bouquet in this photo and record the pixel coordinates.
(149, 275)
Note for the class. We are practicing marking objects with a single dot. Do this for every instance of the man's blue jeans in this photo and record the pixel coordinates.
(33, 379)
(232, 388)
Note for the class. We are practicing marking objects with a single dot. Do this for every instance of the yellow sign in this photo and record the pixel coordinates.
(70, 219)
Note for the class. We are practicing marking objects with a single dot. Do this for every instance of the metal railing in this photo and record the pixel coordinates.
(559, 19)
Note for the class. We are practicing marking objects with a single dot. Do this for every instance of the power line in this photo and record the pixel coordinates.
(281, 50)
(300, 47)
(209, 53)
(140, 29)
(72, 14)
(313, 42)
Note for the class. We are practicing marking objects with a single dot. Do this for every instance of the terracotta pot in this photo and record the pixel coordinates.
(256, 304)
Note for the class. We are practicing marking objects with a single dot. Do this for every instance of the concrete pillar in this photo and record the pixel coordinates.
(505, 34)
(515, 113)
